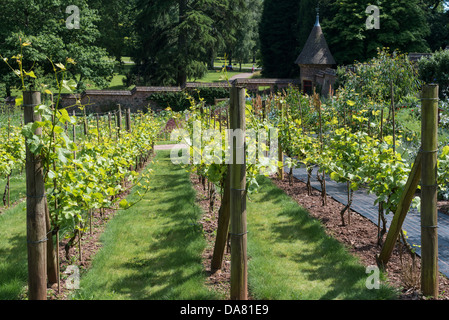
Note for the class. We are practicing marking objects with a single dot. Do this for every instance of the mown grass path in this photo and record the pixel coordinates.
(292, 257)
(153, 249)
(13, 252)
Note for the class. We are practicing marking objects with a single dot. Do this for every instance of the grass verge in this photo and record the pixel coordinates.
(292, 258)
(152, 250)
(13, 257)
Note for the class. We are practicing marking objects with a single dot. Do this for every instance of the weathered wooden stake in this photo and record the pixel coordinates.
(128, 120)
(119, 121)
(36, 224)
(222, 227)
(238, 234)
(98, 128)
(429, 189)
(86, 129)
(401, 212)
(393, 110)
(52, 266)
(322, 179)
(109, 124)
(8, 179)
(280, 153)
(74, 134)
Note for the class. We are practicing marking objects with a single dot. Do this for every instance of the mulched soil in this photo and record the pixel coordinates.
(443, 206)
(219, 280)
(360, 238)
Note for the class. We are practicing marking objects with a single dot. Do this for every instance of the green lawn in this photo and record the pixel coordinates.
(116, 82)
(13, 256)
(216, 76)
(292, 258)
(13, 246)
(153, 250)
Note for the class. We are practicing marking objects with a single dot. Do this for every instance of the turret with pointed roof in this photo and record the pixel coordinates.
(315, 57)
(316, 50)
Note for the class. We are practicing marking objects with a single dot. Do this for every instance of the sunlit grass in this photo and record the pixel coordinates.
(153, 250)
(216, 76)
(13, 254)
(292, 258)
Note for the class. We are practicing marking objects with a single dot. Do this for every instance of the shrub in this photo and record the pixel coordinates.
(178, 101)
(435, 69)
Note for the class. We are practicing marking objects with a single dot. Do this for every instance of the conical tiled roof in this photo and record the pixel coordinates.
(316, 50)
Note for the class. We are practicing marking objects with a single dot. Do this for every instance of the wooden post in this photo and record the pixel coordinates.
(222, 227)
(238, 234)
(429, 188)
(86, 129)
(74, 133)
(52, 266)
(280, 152)
(401, 212)
(109, 124)
(128, 120)
(36, 224)
(98, 128)
(323, 177)
(8, 179)
(393, 110)
(119, 121)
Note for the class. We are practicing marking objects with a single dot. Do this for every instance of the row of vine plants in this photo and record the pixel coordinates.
(82, 173)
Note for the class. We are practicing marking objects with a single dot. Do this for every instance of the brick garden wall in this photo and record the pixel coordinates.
(140, 97)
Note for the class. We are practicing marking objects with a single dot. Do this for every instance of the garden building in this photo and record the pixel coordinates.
(316, 63)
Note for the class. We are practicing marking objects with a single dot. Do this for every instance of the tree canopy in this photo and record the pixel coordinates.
(174, 40)
(405, 25)
(179, 39)
(43, 23)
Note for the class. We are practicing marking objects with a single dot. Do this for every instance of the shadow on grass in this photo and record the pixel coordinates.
(166, 263)
(322, 259)
(13, 262)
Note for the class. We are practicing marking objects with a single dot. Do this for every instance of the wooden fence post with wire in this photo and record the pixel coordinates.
(238, 234)
(429, 190)
(35, 207)
(424, 169)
